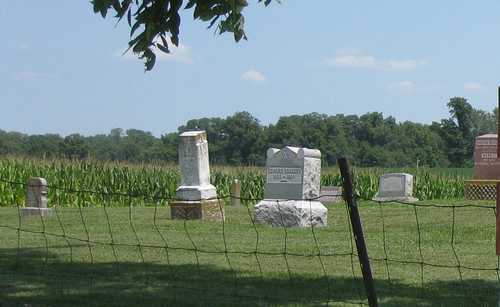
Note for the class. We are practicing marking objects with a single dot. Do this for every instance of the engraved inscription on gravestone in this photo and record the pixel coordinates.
(284, 175)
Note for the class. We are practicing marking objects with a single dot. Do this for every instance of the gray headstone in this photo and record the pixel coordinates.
(36, 197)
(195, 170)
(292, 173)
(395, 187)
(292, 188)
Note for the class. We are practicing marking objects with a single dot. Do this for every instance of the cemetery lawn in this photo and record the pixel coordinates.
(117, 257)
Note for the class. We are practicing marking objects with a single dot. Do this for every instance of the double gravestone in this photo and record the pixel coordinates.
(196, 197)
(292, 189)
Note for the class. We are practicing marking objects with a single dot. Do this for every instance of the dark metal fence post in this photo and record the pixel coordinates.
(358, 232)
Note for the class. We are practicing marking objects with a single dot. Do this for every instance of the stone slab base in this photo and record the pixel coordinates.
(291, 213)
(208, 210)
(406, 199)
(35, 211)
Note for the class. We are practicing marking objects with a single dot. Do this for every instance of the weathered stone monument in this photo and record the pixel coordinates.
(395, 187)
(486, 165)
(292, 187)
(196, 197)
(36, 198)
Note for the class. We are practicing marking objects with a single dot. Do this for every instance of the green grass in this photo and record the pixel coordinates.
(48, 270)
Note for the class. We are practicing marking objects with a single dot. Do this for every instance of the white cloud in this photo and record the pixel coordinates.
(253, 75)
(356, 59)
(31, 76)
(351, 58)
(402, 88)
(474, 87)
(180, 54)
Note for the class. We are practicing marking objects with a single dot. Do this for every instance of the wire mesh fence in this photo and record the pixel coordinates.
(99, 248)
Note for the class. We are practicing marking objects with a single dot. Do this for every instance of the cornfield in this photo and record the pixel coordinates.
(157, 182)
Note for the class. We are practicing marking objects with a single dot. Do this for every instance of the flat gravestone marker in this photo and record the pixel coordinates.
(395, 187)
(196, 197)
(292, 189)
(330, 194)
(36, 198)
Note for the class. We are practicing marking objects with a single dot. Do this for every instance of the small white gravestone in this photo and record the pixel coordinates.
(36, 198)
(196, 197)
(292, 189)
(395, 187)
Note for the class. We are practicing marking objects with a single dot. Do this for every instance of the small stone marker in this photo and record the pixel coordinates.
(395, 187)
(292, 188)
(196, 197)
(330, 194)
(236, 193)
(486, 164)
(36, 198)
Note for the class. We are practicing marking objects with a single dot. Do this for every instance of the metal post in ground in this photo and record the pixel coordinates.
(358, 232)
(236, 193)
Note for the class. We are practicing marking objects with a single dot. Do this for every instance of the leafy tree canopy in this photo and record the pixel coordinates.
(240, 139)
(151, 22)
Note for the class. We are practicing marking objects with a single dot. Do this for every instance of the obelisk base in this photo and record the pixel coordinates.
(208, 210)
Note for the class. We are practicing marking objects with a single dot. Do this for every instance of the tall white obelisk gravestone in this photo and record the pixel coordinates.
(196, 197)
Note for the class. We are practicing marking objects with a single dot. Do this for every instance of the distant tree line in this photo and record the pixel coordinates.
(367, 140)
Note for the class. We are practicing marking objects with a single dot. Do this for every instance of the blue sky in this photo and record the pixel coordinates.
(61, 68)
